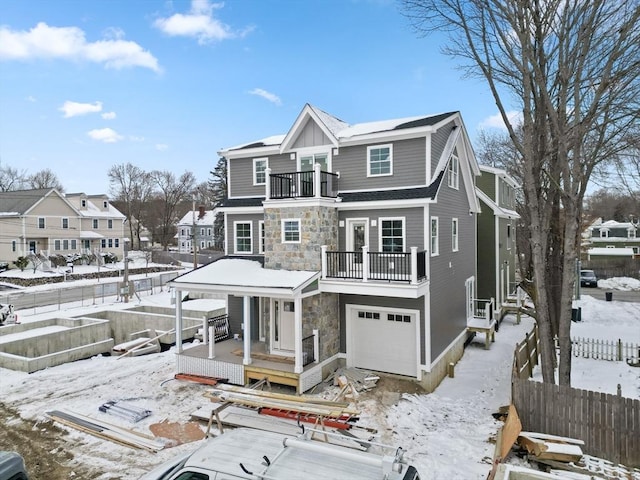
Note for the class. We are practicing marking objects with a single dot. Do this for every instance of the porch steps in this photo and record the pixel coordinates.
(273, 376)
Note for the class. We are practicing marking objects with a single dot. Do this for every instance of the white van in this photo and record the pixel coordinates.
(254, 454)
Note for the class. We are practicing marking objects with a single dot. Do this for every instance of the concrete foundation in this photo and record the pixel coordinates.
(431, 380)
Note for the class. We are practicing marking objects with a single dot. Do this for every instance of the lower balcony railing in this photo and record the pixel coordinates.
(407, 267)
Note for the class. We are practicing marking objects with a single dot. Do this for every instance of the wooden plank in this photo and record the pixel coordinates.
(553, 438)
(510, 431)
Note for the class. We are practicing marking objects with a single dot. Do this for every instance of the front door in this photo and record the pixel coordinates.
(357, 238)
(284, 319)
(306, 168)
(32, 246)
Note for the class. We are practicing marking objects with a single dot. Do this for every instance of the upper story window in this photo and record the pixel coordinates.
(392, 235)
(604, 233)
(509, 235)
(14, 245)
(83, 203)
(109, 223)
(242, 233)
(632, 233)
(454, 234)
(65, 223)
(41, 222)
(454, 171)
(434, 236)
(260, 171)
(308, 161)
(380, 160)
(105, 204)
(95, 223)
(291, 230)
(208, 232)
(202, 231)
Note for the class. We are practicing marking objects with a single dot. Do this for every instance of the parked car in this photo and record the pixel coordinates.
(246, 453)
(588, 278)
(12, 466)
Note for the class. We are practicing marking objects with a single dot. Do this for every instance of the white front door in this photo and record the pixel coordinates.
(357, 236)
(283, 331)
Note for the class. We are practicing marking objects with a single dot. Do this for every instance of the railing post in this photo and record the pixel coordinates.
(267, 184)
(205, 330)
(365, 263)
(212, 342)
(316, 180)
(323, 261)
(414, 265)
(316, 346)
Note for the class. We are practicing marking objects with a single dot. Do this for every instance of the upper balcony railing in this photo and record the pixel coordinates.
(407, 267)
(310, 184)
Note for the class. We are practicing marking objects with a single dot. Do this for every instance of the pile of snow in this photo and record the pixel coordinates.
(620, 283)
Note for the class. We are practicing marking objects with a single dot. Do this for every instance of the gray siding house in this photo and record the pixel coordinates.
(497, 256)
(346, 245)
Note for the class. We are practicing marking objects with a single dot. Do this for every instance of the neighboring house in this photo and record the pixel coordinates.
(46, 222)
(196, 226)
(497, 257)
(346, 244)
(612, 239)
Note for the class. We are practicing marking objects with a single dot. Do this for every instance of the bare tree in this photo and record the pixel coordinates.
(132, 187)
(171, 192)
(45, 179)
(11, 178)
(573, 70)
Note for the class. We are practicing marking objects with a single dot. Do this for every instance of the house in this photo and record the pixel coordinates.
(612, 239)
(497, 258)
(346, 244)
(47, 222)
(196, 226)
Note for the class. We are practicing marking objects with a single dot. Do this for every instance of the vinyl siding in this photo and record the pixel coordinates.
(311, 136)
(241, 174)
(449, 270)
(234, 310)
(255, 232)
(487, 183)
(414, 226)
(408, 166)
(486, 281)
(438, 142)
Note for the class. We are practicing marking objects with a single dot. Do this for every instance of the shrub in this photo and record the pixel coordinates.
(21, 263)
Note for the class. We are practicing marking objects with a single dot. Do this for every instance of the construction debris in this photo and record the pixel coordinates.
(200, 379)
(550, 449)
(179, 433)
(361, 380)
(125, 410)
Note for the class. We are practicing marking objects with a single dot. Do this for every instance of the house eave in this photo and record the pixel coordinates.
(372, 288)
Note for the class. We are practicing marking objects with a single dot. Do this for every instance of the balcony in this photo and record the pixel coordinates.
(310, 184)
(365, 266)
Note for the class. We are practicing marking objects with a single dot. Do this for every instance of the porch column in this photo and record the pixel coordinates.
(267, 185)
(178, 321)
(323, 261)
(316, 180)
(414, 265)
(365, 263)
(298, 336)
(246, 324)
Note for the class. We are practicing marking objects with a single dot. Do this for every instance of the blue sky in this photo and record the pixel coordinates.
(87, 84)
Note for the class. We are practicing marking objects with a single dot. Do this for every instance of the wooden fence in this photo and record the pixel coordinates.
(617, 351)
(608, 424)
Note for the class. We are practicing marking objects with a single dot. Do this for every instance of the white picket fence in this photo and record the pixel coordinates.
(617, 351)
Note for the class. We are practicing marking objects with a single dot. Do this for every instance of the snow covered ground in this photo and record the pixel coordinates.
(447, 433)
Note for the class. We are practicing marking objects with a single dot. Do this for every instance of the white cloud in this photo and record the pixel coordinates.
(272, 97)
(133, 138)
(161, 147)
(31, 99)
(198, 23)
(106, 135)
(75, 109)
(495, 121)
(69, 43)
(109, 115)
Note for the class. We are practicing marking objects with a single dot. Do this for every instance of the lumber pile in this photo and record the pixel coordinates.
(125, 410)
(352, 381)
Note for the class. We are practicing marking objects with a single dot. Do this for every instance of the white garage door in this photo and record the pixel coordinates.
(383, 340)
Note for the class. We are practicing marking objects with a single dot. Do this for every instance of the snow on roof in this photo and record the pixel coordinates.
(614, 224)
(89, 234)
(335, 125)
(610, 252)
(237, 272)
(188, 218)
(273, 140)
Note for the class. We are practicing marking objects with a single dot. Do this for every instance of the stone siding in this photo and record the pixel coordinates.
(321, 312)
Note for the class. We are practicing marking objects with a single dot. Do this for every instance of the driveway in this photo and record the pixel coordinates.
(617, 295)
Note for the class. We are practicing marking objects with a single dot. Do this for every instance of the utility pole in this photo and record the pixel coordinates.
(193, 235)
(125, 288)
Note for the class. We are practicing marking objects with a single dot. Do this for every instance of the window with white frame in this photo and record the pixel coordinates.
(110, 243)
(509, 237)
(380, 160)
(105, 204)
(95, 223)
(202, 232)
(65, 244)
(632, 233)
(57, 245)
(291, 230)
(261, 229)
(604, 233)
(454, 170)
(392, 235)
(41, 222)
(434, 236)
(74, 244)
(65, 223)
(260, 170)
(14, 245)
(454, 234)
(116, 242)
(83, 203)
(208, 232)
(109, 223)
(103, 243)
(242, 231)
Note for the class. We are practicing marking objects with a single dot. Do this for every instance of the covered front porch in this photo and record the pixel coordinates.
(265, 335)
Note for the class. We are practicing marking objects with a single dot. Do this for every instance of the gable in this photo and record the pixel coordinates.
(311, 135)
(53, 205)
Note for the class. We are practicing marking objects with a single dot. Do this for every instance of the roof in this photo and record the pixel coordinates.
(497, 210)
(611, 252)
(242, 275)
(209, 218)
(19, 202)
(88, 234)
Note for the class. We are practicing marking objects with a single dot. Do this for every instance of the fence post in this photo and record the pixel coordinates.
(528, 350)
(619, 350)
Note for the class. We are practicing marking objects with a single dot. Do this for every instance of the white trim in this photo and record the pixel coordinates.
(349, 231)
(455, 237)
(404, 232)
(453, 175)
(312, 152)
(404, 187)
(282, 229)
(427, 151)
(255, 171)
(235, 238)
(261, 236)
(234, 210)
(434, 251)
(226, 233)
(385, 204)
(373, 288)
(379, 147)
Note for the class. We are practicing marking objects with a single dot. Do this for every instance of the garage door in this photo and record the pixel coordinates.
(383, 340)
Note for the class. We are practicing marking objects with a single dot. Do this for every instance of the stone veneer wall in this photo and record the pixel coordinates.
(318, 226)
(322, 312)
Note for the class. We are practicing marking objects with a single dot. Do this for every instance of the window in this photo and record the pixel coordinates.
(454, 168)
(392, 235)
(434, 236)
(65, 223)
(14, 246)
(83, 203)
(261, 230)
(604, 233)
(208, 232)
(109, 223)
(202, 232)
(454, 234)
(632, 233)
(111, 243)
(103, 243)
(307, 162)
(291, 231)
(105, 204)
(380, 160)
(95, 223)
(56, 244)
(116, 242)
(41, 222)
(243, 237)
(74, 244)
(65, 244)
(201, 243)
(260, 166)
(508, 237)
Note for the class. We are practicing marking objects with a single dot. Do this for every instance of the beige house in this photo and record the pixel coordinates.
(47, 222)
